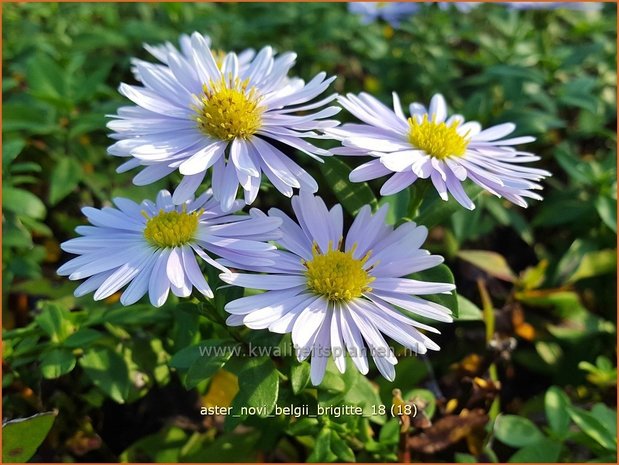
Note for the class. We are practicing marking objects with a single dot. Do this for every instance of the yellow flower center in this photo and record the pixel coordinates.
(337, 275)
(437, 139)
(229, 110)
(171, 229)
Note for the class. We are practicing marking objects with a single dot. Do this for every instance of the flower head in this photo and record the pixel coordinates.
(194, 113)
(429, 144)
(534, 5)
(152, 246)
(392, 12)
(339, 292)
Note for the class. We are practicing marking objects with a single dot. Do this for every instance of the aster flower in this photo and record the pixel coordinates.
(192, 115)
(392, 12)
(160, 52)
(429, 144)
(152, 246)
(333, 291)
(536, 5)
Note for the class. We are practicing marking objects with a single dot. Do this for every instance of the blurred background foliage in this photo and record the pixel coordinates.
(526, 373)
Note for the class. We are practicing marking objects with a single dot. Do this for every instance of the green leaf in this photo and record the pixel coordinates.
(607, 209)
(82, 338)
(435, 211)
(303, 426)
(46, 80)
(21, 438)
(390, 432)
(22, 202)
(556, 403)
(594, 264)
(10, 150)
(258, 385)
(544, 451)
(206, 366)
(352, 195)
(322, 448)
(606, 416)
(54, 320)
(593, 428)
(398, 206)
(108, 371)
(64, 178)
(299, 376)
(56, 363)
(36, 119)
(491, 262)
(467, 310)
(516, 431)
(340, 448)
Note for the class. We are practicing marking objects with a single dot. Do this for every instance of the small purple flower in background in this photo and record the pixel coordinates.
(152, 246)
(392, 12)
(431, 145)
(334, 290)
(579, 6)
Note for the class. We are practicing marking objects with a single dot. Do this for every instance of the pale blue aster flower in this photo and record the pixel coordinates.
(194, 114)
(579, 6)
(338, 292)
(392, 12)
(429, 144)
(152, 246)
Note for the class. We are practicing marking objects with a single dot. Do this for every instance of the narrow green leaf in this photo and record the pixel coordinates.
(593, 428)
(556, 403)
(352, 195)
(64, 179)
(299, 376)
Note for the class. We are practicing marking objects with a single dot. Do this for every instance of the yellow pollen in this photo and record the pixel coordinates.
(171, 229)
(437, 139)
(229, 110)
(337, 275)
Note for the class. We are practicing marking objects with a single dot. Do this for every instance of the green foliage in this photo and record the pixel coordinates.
(22, 437)
(549, 270)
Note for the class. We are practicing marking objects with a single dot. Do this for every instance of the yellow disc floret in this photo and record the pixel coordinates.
(337, 275)
(171, 229)
(229, 109)
(437, 139)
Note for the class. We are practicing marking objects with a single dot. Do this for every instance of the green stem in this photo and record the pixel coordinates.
(419, 192)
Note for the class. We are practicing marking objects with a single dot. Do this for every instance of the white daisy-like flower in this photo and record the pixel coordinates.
(161, 51)
(152, 246)
(337, 292)
(192, 115)
(429, 144)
